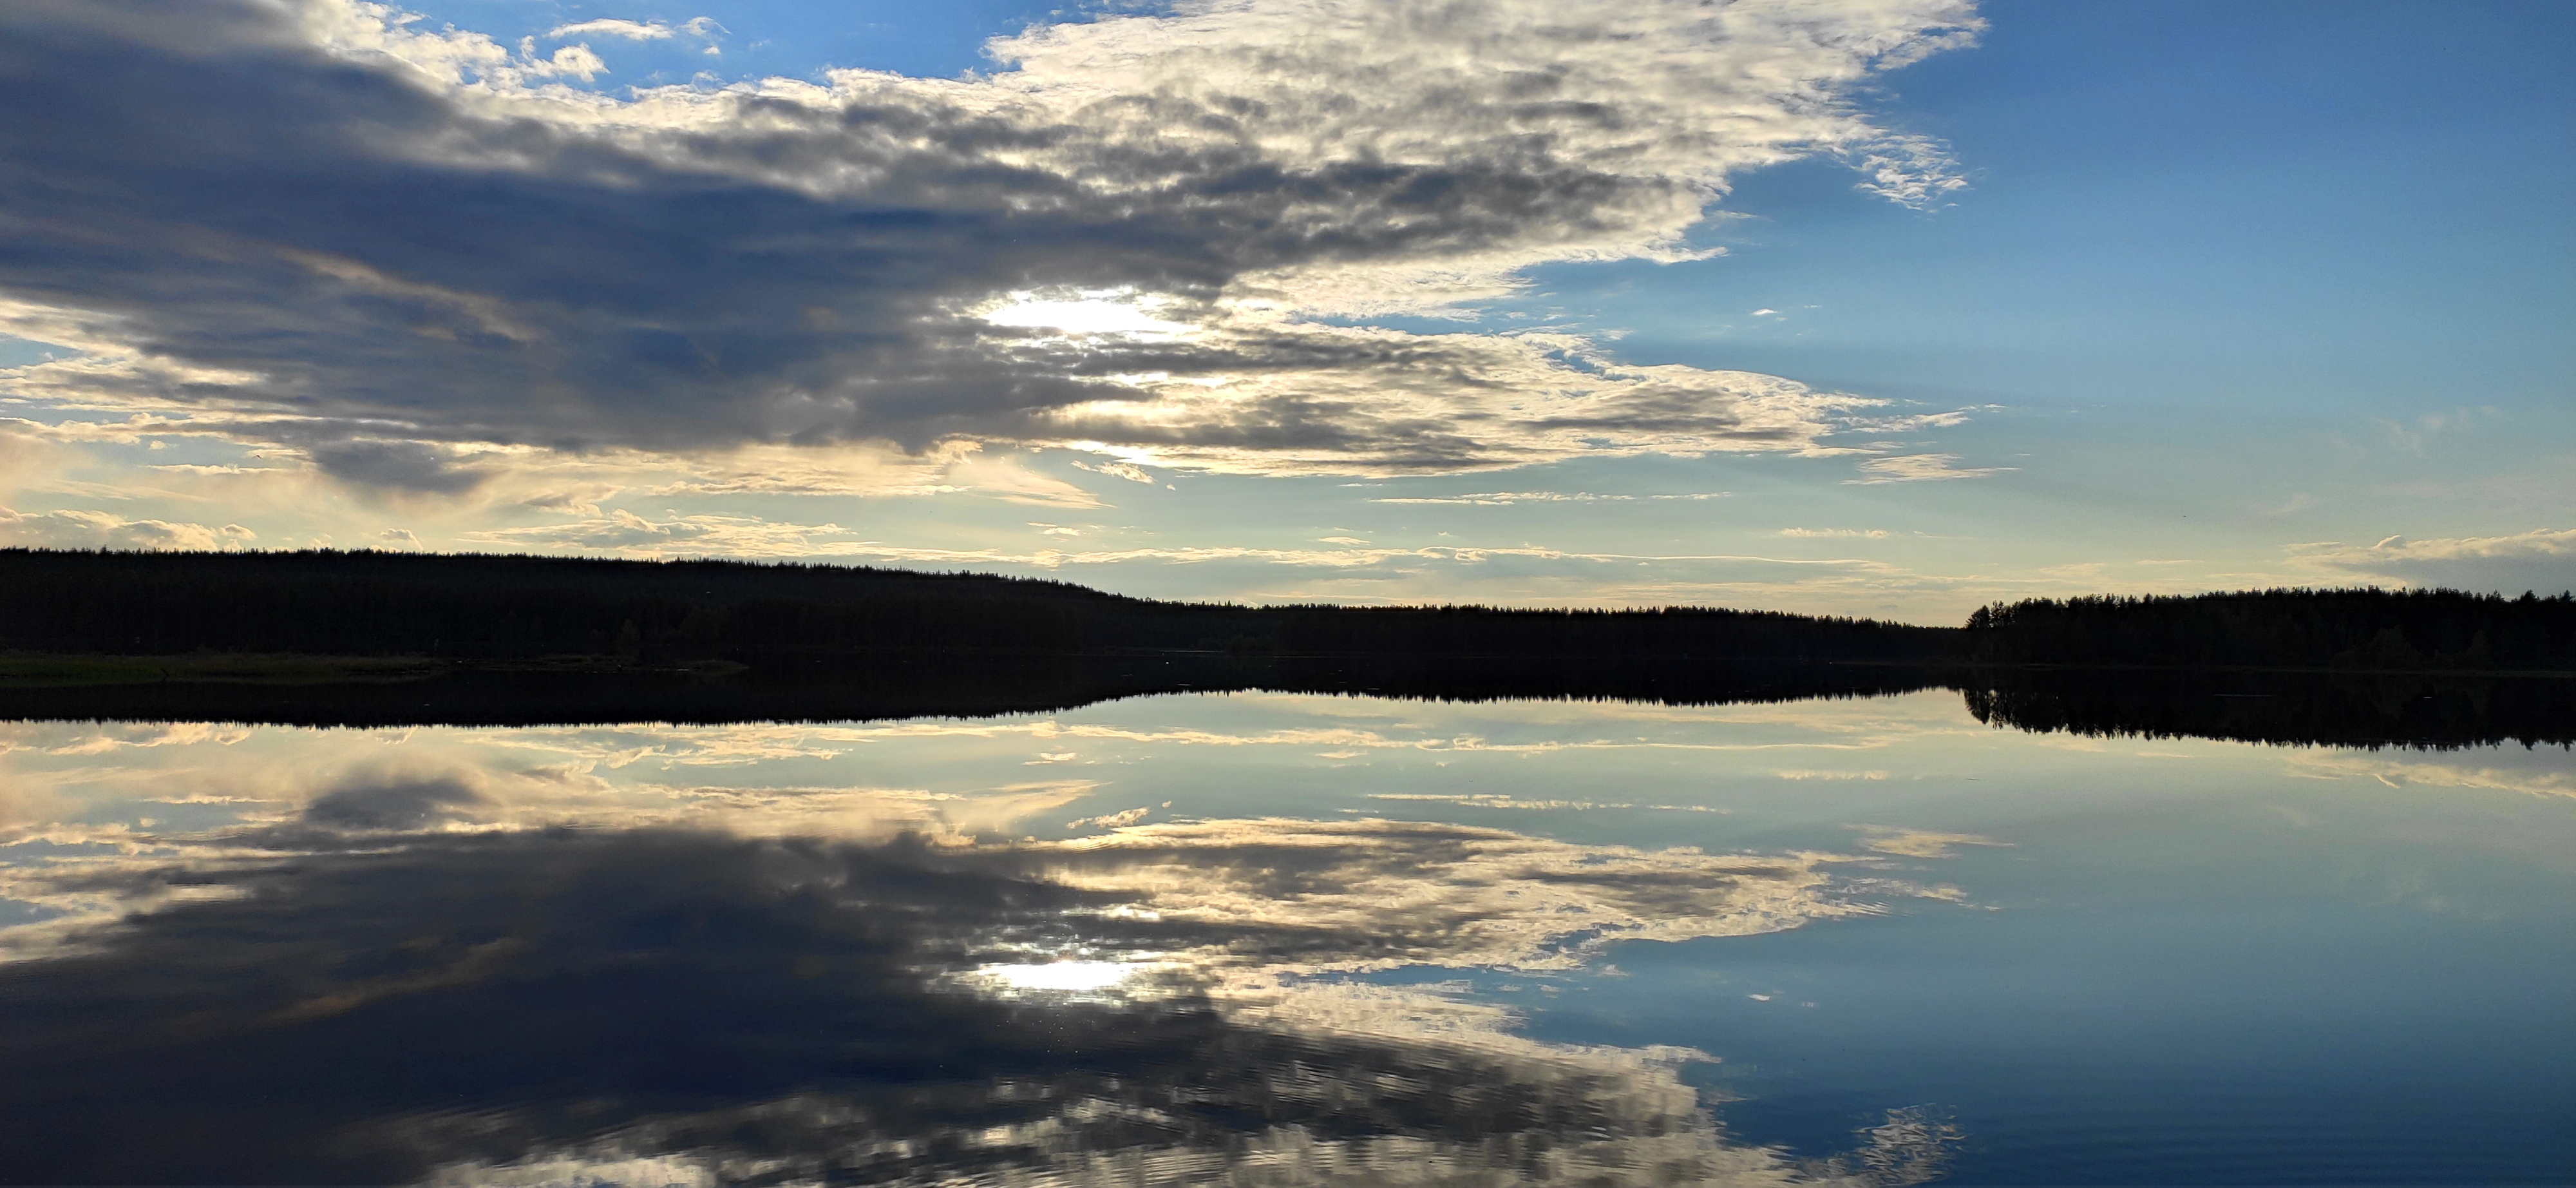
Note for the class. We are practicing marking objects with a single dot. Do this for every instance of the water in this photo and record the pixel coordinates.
(1265, 938)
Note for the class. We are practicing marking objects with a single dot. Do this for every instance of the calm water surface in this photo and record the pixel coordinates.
(1276, 939)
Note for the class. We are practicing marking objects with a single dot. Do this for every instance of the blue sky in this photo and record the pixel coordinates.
(1978, 303)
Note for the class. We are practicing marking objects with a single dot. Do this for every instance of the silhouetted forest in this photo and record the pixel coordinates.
(2355, 709)
(2400, 630)
(763, 615)
(362, 638)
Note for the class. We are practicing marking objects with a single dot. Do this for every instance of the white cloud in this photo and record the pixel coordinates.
(1915, 468)
(105, 530)
(1919, 843)
(575, 60)
(1133, 474)
(2542, 560)
(612, 27)
(2499, 774)
(626, 533)
(1508, 498)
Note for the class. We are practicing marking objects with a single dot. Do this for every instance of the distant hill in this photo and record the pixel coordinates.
(518, 608)
(2385, 630)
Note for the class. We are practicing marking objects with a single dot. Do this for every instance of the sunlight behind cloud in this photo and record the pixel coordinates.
(1121, 312)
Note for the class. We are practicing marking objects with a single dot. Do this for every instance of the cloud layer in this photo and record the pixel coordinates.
(314, 226)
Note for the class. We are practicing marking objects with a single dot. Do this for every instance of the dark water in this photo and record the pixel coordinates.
(1284, 938)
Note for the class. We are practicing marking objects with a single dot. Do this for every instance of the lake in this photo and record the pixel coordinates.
(1268, 938)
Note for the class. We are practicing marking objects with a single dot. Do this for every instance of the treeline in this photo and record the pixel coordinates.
(774, 616)
(2386, 630)
(2343, 709)
(479, 607)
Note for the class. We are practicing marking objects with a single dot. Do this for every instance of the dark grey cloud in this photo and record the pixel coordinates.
(485, 1007)
(299, 224)
(396, 465)
(398, 804)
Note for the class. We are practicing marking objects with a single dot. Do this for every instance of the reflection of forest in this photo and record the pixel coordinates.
(827, 689)
(332, 638)
(2339, 709)
(2327, 709)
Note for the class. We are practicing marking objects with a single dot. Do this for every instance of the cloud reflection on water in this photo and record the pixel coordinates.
(407, 980)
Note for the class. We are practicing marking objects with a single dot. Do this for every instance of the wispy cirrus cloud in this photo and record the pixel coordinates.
(1916, 468)
(317, 226)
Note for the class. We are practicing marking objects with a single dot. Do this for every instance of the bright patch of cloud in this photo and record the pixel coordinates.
(1133, 474)
(1919, 843)
(1915, 468)
(104, 530)
(612, 27)
(1508, 498)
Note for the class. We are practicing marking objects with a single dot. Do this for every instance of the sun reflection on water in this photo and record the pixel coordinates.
(1071, 977)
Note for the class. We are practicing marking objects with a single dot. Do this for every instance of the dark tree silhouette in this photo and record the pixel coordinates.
(763, 615)
(2387, 630)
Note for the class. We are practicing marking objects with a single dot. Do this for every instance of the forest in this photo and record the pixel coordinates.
(373, 639)
(2387, 630)
(477, 607)
(778, 618)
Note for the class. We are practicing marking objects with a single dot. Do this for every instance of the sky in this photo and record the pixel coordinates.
(1870, 307)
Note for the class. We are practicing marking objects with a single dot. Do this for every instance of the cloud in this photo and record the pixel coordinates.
(1133, 474)
(29, 454)
(1915, 468)
(403, 466)
(711, 534)
(622, 531)
(1919, 843)
(106, 530)
(612, 27)
(400, 805)
(1508, 498)
(1110, 820)
(2501, 773)
(454, 1007)
(1870, 533)
(2541, 560)
(316, 225)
